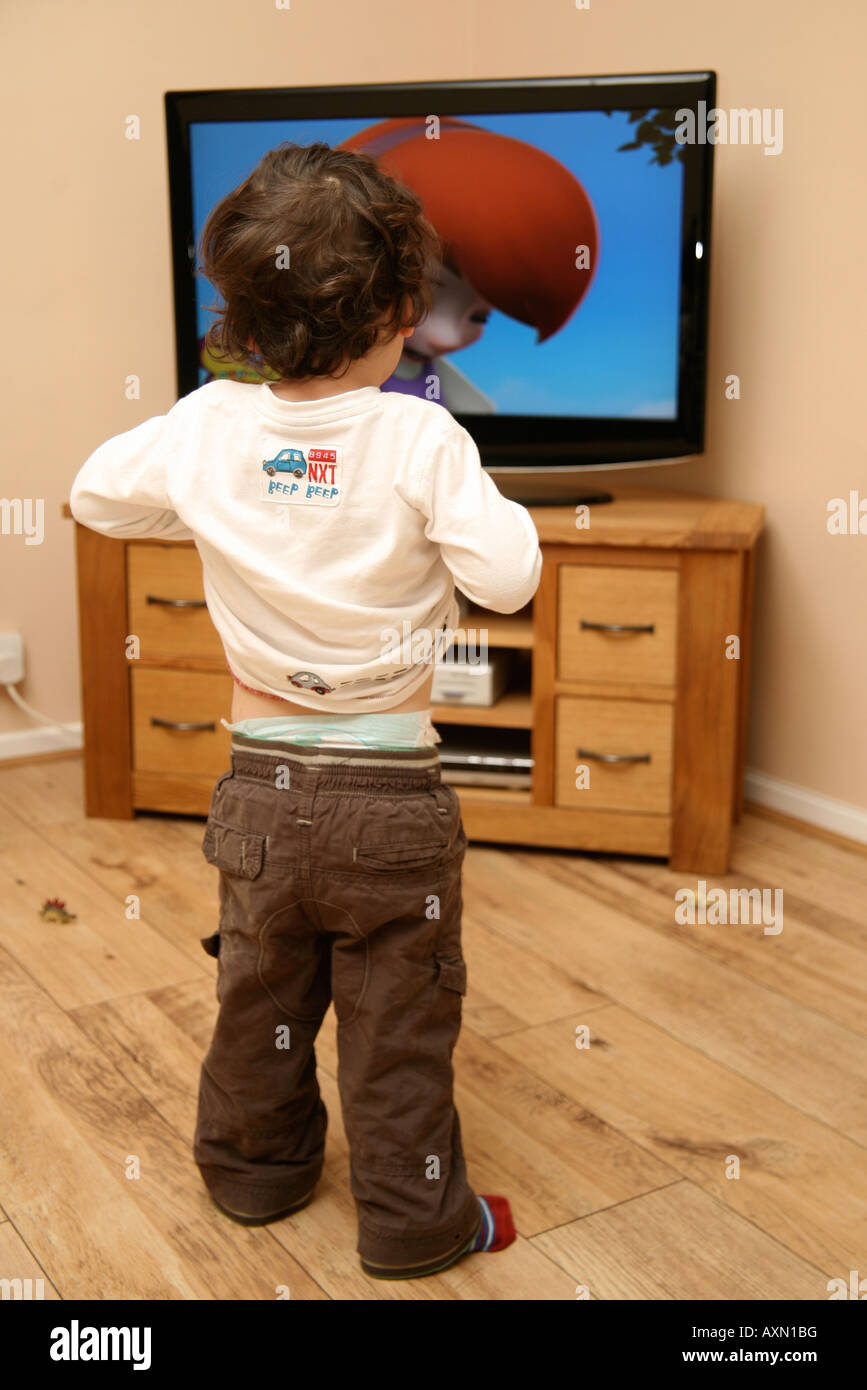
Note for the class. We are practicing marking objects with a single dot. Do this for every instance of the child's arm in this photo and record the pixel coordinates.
(122, 488)
(487, 541)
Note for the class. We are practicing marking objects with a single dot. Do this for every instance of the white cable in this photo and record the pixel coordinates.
(34, 714)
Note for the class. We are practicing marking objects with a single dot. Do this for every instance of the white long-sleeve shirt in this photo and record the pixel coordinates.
(331, 532)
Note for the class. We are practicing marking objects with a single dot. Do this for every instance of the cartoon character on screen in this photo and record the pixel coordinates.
(512, 221)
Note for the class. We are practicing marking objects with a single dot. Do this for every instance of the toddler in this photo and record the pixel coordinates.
(332, 520)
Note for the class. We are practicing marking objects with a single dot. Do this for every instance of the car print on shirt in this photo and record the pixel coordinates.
(287, 461)
(296, 476)
(308, 680)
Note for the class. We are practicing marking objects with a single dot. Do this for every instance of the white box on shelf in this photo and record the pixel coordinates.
(463, 683)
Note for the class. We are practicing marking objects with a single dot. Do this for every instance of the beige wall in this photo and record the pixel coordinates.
(87, 281)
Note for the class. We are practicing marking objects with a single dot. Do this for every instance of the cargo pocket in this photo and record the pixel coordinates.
(235, 851)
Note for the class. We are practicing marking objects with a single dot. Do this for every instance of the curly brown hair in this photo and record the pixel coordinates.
(316, 255)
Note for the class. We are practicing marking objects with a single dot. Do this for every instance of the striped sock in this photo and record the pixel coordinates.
(497, 1228)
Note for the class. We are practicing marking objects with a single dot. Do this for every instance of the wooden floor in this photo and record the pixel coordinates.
(709, 1046)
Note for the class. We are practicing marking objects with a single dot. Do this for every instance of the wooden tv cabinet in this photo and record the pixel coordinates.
(638, 641)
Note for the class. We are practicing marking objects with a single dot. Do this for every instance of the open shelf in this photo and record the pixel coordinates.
(513, 630)
(511, 713)
(513, 710)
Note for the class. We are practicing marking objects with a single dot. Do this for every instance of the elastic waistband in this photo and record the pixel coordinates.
(323, 766)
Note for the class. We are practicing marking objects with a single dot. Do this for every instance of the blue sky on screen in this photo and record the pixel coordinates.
(617, 355)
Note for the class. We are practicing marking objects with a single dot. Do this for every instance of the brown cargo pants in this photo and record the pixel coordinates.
(340, 878)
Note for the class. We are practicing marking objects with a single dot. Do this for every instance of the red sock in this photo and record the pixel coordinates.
(497, 1229)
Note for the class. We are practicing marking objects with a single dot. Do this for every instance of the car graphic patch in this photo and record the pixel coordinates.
(309, 477)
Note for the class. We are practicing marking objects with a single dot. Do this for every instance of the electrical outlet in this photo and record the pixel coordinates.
(11, 658)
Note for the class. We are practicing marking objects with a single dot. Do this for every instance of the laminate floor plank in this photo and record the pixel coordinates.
(803, 1057)
(17, 1264)
(80, 1128)
(803, 962)
(98, 954)
(797, 1179)
(678, 1243)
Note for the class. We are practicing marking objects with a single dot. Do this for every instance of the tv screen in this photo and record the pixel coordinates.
(569, 313)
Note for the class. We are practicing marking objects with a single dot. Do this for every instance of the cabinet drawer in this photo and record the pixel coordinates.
(616, 728)
(607, 596)
(167, 604)
(180, 697)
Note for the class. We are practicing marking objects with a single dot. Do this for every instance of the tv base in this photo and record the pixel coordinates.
(582, 499)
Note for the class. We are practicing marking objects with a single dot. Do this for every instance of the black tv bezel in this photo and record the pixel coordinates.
(504, 441)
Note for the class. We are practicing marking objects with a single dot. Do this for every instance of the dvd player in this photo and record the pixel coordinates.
(485, 757)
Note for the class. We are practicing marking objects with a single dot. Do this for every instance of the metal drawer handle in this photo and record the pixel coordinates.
(613, 757)
(619, 627)
(177, 602)
(173, 724)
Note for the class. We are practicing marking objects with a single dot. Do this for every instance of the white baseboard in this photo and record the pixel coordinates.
(803, 804)
(29, 743)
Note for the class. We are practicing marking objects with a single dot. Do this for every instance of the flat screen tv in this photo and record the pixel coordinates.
(569, 320)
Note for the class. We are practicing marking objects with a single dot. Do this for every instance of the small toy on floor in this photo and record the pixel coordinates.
(54, 910)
